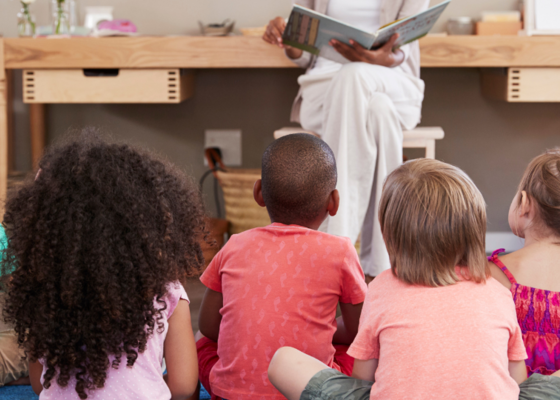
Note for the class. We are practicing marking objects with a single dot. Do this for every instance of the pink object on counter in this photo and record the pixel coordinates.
(120, 25)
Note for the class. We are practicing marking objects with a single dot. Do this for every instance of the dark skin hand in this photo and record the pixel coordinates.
(385, 55)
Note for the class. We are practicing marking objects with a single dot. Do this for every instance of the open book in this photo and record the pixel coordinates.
(310, 31)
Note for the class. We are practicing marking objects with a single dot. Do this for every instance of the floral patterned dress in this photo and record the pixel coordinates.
(538, 313)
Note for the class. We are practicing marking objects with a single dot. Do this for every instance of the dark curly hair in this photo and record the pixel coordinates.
(95, 239)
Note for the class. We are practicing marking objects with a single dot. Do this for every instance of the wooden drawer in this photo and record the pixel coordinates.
(107, 86)
(522, 84)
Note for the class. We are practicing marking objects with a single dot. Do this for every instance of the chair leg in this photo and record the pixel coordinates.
(431, 149)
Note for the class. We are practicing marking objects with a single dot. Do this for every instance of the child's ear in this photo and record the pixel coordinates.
(334, 202)
(525, 205)
(257, 193)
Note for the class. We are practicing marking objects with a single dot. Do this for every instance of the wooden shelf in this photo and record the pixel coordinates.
(490, 51)
(144, 52)
(253, 52)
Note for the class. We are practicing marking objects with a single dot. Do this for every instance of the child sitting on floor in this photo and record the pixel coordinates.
(532, 273)
(280, 285)
(101, 241)
(437, 326)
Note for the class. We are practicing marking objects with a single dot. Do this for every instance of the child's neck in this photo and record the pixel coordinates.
(313, 225)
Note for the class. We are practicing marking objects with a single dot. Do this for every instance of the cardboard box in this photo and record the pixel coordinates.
(498, 28)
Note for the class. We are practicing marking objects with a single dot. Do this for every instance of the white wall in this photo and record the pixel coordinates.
(174, 17)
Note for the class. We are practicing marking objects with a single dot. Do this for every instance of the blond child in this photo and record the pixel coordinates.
(437, 326)
(532, 274)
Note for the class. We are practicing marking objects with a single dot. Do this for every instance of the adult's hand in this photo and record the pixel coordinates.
(384, 56)
(273, 35)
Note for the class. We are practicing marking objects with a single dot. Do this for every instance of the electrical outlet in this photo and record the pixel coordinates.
(228, 141)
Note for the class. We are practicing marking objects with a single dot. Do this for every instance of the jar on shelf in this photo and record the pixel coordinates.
(26, 20)
(61, 16)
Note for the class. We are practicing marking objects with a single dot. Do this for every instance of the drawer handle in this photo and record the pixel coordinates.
(105, 72)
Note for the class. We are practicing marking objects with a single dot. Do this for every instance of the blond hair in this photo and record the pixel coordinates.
(541, 182)
(433, 218)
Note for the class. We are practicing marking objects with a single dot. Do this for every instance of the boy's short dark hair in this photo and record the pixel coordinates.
(298, 174)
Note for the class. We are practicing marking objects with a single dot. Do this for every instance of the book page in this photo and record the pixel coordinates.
(310, 31)
(411, 28)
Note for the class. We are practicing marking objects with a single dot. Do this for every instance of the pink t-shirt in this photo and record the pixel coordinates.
(281, 285)
(144, 380)
(451, 342)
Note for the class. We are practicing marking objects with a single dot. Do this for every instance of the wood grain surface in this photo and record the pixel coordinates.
(253, 52)
(144, 52)
(493, 51)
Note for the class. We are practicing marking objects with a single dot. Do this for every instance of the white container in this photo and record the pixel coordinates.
(95, 15)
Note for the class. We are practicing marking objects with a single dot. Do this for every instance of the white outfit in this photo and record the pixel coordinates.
(360, 111)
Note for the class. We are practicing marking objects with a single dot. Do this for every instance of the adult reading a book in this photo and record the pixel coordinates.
(360, 109)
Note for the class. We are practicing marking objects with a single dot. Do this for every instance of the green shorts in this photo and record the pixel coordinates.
(330, 384)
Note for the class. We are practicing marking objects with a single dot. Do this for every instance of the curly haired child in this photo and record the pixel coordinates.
(101, 240)
(437, 325)
(532, 274)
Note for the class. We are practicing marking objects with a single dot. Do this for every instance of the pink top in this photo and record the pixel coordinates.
(451, 342)
(144, 380)
(281, 285)
(538, 313)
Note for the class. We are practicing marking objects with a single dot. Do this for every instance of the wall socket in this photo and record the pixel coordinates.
(228, 141)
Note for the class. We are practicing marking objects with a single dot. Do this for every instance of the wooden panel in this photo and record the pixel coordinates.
(495, 51)
(522, 85)
(253, 52)
(144, 52)
(534, 85)
(37, 130)
(129, 86)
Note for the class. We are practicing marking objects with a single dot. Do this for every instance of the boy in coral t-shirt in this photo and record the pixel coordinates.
(280, 285)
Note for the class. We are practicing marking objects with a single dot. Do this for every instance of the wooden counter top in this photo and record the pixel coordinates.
(253, 52)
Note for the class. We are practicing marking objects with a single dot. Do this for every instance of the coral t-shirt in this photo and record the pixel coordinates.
(281, 286)
(451, 342)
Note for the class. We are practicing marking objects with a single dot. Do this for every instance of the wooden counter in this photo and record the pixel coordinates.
(253, 52)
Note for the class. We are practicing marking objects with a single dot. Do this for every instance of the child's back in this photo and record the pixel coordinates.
(459, 340)
(532, 273)
(281, 286)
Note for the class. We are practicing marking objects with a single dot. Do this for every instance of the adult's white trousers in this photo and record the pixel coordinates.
(360, 111)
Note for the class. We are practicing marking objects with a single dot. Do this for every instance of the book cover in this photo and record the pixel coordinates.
(310, 31)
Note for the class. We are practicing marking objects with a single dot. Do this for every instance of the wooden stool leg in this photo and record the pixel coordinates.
(431, 149)
(37, 127)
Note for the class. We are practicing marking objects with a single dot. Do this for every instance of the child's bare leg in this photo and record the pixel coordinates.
(291, 370)
(557, 373)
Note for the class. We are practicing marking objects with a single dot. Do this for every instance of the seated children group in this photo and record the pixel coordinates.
(102, 240)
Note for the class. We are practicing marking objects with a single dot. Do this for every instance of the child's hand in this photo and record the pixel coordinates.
(273, 35)
(384, 56)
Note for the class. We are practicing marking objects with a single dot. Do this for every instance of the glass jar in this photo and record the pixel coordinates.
(26, 22)
(60, 12)
(460, 26)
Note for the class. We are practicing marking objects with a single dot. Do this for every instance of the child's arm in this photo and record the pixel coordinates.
(347, 323)
(518, 371)
(365, 370)
(35, 372)
(209, 318)
(180, 354)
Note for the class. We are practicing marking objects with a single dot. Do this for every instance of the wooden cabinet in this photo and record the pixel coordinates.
(518, 85)
(107, 85)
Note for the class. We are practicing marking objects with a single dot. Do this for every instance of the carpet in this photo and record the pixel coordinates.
(26, 393)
